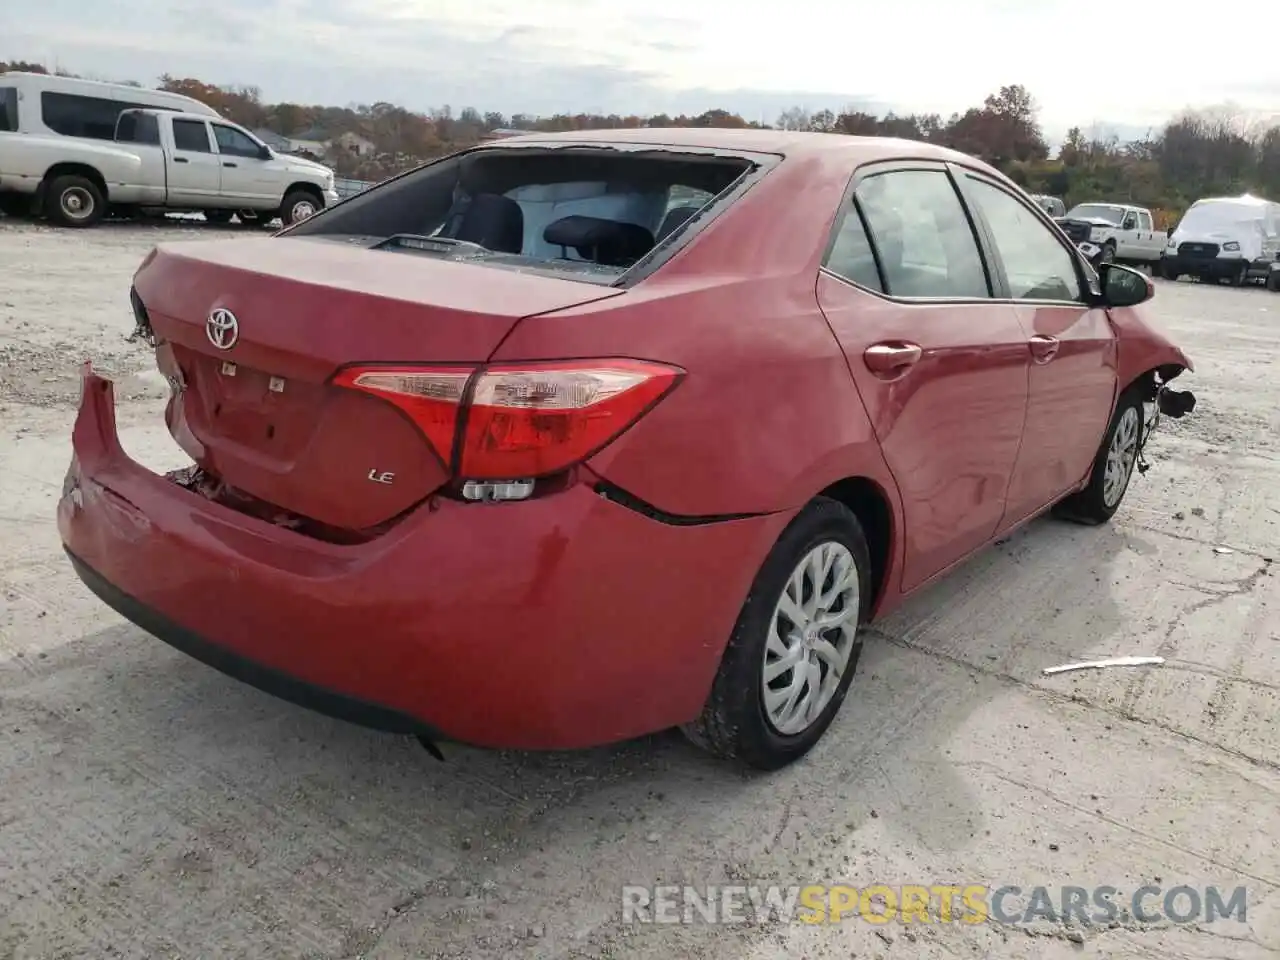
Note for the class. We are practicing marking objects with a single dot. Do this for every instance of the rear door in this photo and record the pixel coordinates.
(1152, 245)
(194, 171)
(1073, 348)
(246, 176)
(940, 365)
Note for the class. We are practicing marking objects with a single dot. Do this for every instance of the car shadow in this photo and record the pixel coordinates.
(138, 776)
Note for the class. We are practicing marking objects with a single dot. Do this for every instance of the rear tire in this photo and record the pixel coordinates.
(1112, 467)
(773, 662)
(299, 205)
(74, 201)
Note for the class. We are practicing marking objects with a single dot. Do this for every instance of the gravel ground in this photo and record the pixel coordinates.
(152, 808)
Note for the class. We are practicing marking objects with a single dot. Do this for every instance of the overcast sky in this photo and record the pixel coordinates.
(1127, 66)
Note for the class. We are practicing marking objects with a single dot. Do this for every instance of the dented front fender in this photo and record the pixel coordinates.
(1144, 349)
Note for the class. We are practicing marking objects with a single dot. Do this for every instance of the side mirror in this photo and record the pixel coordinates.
(1124, 286)
(1169, 233)
(264, 153)
(1129, 225)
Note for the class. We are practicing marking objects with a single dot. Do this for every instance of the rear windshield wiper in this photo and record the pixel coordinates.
(418, 243)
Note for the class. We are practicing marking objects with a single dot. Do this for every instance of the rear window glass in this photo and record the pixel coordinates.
(587, 211)
(138, 128)
(8, 109)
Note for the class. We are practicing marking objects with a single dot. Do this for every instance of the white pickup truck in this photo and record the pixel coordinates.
(163, 159)
(1114, 231)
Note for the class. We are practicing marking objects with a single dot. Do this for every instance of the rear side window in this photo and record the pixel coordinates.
(850, 256)
(138, 128)
(191, 136)
(920, 230)
(76, 116)
(8, 109)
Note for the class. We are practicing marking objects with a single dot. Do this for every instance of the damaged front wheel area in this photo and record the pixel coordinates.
(1113, 466)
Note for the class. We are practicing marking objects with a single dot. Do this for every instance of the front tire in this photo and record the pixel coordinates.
(1108, 254)
(299, 205)
(75, 201)
(1168, 271)
(795, 646)
(1112, 467)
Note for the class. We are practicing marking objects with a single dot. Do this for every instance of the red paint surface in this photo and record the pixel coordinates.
(569, 620)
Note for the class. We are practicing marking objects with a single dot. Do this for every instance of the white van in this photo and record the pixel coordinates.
(1232, 238)
(62, 154)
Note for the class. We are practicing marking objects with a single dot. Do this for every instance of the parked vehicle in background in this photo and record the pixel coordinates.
(1225, 238)
(1273, 278)
(75, 150)
(1050, 205)
(406, 507)
(1114, 232)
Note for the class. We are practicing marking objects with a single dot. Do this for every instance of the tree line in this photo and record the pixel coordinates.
(1196, 154)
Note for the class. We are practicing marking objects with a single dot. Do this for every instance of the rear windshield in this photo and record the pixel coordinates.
(8, 109)
(586, 212)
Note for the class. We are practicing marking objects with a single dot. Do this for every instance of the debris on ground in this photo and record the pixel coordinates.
(1102, 664)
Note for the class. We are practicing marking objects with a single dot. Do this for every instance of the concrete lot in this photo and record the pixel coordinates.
(150, 807)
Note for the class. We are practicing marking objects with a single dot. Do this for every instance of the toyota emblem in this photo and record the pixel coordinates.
(222, 328)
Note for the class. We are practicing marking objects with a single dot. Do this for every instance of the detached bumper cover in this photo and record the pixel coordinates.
(561, 622)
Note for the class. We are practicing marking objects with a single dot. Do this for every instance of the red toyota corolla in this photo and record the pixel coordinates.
(569, 438)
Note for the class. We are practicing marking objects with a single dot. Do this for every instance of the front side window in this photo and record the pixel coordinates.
(926, 245)
(8, 109)
(231, 141)
(191, 136)
(1038, 267)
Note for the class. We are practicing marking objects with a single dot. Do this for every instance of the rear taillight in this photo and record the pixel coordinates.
(519, 420)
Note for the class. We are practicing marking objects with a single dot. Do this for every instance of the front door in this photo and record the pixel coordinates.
(246, 176)
(941, 367)
(194, 174)
(1073, 350)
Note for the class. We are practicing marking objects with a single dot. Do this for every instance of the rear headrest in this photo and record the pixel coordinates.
(676, 217)
(493, 221)
(608, 242)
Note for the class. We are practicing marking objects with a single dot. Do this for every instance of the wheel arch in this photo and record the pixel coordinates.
(71, 168)
(305, 187)
(870, 503)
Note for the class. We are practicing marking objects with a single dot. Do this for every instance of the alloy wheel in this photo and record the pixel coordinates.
(811, 637)
(1120, 457)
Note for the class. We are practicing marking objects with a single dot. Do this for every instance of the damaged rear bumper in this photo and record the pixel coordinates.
(527, 626)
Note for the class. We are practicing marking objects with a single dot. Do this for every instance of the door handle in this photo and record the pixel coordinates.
(890, 360)
(1043, 348)
(226, 164)
(179, 159)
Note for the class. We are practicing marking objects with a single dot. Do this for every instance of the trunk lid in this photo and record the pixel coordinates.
(260, 414)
